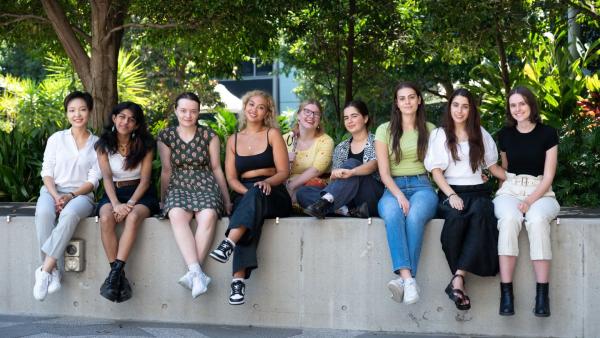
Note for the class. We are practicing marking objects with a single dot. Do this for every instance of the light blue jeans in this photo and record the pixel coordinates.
(405, 232)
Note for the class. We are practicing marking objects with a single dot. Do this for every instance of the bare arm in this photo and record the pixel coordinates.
(299, 180)
(145, 179)
(280, 157)
(230, 169)
(381, 151)
(547, 178)
(362, 170)
(214, 151)
(165, 173)
(453, 199)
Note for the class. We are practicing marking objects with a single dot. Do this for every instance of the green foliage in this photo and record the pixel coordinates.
(576, 182)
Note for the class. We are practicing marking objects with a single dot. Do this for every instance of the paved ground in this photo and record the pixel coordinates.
(29, 326)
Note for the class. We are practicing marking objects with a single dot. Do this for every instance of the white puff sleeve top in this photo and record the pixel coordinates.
(68, 166)
(458, 172)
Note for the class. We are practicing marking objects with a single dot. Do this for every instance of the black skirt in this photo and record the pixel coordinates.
(470, 236)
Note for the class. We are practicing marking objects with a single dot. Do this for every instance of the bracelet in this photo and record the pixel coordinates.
(72, 195)
(131, 203)
(448, 198)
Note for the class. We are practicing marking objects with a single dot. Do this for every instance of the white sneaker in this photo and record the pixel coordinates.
(396, 287)
(55, 282)
(42, 281)
(186, 280)
(200, 283)
(411, 291)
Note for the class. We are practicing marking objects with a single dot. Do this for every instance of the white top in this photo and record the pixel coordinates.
(458, 172)
(117, 163)
(68, 166)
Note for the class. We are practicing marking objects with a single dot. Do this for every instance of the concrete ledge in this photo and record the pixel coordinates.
(313, 274)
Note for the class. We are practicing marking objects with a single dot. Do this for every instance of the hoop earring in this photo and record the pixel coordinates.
(113, 128)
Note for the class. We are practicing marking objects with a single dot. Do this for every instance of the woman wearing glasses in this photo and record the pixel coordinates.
(355, 185)
(309, 148)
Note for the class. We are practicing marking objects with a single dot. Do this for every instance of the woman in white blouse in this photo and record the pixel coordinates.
(70, 174)
(125, 151)
(457, 153)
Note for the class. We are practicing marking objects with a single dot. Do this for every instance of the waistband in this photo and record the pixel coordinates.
(523, 179)
(128, 183)
(412, 176)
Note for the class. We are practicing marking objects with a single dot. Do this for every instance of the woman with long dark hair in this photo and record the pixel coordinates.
(256, 165)
(70, 174)
(529, 153)
(457, 153)
(125, 152)
(355, 186)
(409, 201)
(192, 184)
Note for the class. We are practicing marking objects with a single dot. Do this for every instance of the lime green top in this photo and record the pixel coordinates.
(409, 163)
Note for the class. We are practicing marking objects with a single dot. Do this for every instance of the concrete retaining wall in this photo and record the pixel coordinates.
(313, 274)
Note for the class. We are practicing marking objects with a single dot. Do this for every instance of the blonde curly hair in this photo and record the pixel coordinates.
(271, 116)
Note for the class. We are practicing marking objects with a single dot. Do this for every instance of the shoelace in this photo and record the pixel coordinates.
(225, 246)
(236, 287)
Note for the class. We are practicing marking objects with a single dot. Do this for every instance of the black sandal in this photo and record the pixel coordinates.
(462, 301)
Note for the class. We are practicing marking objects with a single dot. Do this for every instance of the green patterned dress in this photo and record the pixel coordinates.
(192, 186)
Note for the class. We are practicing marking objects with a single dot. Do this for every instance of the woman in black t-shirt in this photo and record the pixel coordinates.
(529, 152)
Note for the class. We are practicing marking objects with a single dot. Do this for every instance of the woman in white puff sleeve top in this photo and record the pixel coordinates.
(456, 154)
(70, 174)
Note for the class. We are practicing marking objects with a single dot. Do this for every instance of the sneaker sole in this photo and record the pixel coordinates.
(412, 301)
(310, 213)
(217, 258)
(397, 295)
(239, 302)
(182, 281)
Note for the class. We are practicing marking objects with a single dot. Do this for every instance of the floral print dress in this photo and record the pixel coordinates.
(192, 186)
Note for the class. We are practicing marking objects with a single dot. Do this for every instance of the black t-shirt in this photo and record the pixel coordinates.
(358, 156)
(526, 152)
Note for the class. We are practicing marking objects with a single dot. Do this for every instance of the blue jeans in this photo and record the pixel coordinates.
(405, 232)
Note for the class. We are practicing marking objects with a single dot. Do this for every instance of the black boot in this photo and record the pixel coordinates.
(507, 306)
(542, 302)
(125, 292)
(111, 287)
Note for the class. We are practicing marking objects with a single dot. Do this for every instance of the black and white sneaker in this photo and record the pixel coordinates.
(223, 251)
(238, 288)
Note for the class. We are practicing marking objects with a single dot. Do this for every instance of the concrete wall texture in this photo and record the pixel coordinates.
(313, 274)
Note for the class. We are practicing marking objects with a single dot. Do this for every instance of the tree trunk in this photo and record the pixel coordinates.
(503, 59)
(574, 32)
(106, 15)
(98, 72)
(350, 51)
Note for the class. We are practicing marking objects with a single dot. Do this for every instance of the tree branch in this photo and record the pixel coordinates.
(23, 17)
(436, 93)
(584, 9)
(148, 25)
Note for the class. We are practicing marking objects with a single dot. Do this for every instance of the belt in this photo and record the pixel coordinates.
(120, 184)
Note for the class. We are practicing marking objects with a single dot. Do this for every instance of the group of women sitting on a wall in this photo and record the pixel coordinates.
(385, 174)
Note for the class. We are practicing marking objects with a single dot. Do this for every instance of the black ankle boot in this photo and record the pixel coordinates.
(111, 287)
(542, 302)
(507, 306)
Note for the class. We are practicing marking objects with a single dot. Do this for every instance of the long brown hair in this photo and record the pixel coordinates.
(396, 124)
(473, 127)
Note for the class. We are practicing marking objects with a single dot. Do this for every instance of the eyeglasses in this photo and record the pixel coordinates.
(308, 112)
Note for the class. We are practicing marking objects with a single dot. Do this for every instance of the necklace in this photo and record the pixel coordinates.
(123, 148)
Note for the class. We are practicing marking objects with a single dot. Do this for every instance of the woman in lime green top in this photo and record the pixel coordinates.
(309, 149)
(409, 201)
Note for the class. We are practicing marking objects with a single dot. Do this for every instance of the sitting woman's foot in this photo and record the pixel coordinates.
(456, 292)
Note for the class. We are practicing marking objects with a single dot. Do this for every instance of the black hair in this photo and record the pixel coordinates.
(141, 141)
(362, 109)
(85, 96)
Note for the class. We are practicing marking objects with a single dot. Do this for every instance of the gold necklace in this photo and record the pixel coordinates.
(123, 148)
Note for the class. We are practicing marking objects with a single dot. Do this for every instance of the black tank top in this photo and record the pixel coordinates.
(253, 162)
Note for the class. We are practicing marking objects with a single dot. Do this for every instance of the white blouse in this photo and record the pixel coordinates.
(117, 163)
(68, 166)
(458, 172)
